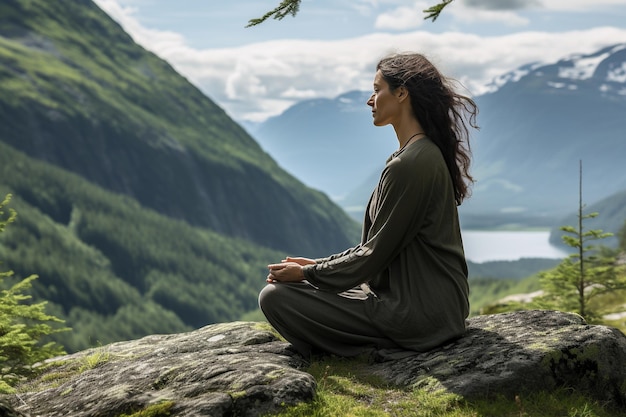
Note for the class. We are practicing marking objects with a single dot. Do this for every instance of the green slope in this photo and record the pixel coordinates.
(77, 92)
(115, 270)
(141, 205)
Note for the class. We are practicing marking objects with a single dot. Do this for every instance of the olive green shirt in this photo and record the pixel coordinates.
(411, 253)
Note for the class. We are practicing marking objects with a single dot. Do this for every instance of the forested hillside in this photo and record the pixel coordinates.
(77, 92)
(114, 269)
(141, 205)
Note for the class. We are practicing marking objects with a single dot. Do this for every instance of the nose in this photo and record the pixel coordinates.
(370, 101)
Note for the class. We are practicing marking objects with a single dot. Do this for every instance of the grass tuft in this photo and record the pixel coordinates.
(162, 409)
(99, 356)
(345, 390)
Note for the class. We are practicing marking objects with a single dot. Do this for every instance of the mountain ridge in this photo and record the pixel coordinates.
(536, 129)
(536, 123)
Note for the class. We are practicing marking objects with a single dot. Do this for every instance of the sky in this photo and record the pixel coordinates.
(332, 46)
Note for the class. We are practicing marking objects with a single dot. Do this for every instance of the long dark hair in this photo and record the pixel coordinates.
(443, 113)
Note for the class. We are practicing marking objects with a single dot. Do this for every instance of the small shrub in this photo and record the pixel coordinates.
(22, 324)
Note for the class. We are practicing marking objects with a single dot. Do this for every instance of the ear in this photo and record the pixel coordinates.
(402, 93)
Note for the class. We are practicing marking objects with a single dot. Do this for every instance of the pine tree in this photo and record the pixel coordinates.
(22, 324)
(589, 272)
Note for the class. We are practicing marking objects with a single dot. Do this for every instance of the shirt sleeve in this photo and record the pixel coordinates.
(404, 192)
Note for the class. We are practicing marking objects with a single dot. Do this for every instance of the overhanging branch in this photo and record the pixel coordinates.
(434, 11)
(292, 7)
(284, 8)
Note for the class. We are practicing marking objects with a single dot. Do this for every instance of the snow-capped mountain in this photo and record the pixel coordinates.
(535, 128)
(537, 123)
(606, 67)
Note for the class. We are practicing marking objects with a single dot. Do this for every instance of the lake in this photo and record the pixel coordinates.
(482, 246)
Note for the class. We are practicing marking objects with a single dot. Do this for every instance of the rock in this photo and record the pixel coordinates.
(220, 370)
(243, 369)
(521, 352)
(7, 411)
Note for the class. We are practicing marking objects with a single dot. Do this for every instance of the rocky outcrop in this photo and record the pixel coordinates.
(521, 352)
(243, 369)
(220, 370)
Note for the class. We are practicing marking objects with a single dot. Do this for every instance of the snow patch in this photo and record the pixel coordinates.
(582, 68)
(618, 48)
(510, 77)
(554, 84)
(618, 74)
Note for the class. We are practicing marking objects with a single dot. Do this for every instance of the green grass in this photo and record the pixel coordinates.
(161, 409)
(486, 291)
(344, 391)
(99, 356)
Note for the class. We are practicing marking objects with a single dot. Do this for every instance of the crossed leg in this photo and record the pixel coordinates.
(317, 321)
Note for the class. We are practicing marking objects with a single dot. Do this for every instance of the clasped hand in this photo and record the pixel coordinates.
(288, 270)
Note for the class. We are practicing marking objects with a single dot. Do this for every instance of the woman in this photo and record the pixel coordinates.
(404, 287)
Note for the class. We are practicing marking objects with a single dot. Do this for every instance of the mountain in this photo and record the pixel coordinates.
(536, 122)
(329, 144)
(611, 218)
(77, 92)
(142, 207)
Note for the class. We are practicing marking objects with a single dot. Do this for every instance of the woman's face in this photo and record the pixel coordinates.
(384, 103)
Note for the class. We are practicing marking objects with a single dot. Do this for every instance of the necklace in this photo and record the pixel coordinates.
(409, 140)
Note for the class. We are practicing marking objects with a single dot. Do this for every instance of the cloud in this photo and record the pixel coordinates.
(155, 40)
(256, 81)
(579, 5)
(402, 18)
(260, 80)
(508, 18)
(501, 4)
(501, 11)
(547, 5)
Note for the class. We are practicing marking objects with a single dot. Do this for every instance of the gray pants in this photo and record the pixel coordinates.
(315, 321)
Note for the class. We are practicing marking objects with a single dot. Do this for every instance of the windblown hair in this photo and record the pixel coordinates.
(444, 114)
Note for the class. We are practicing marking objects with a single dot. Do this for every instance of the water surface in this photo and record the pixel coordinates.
(482, 246)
